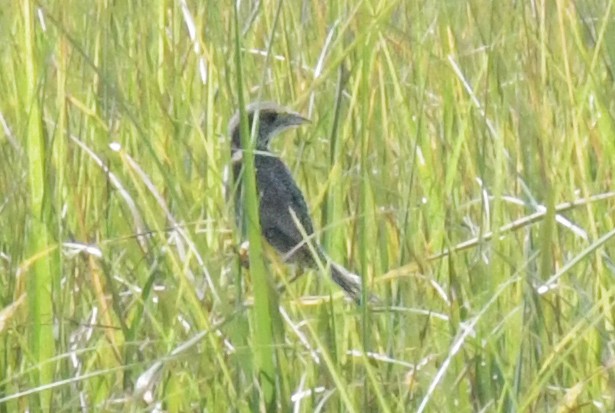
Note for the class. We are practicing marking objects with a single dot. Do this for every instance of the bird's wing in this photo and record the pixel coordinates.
(279, 195)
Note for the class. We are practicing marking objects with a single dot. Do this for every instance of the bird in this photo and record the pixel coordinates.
(283, 212)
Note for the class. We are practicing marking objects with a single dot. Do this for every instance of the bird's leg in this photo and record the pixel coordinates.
(299, 270)
(244, 254)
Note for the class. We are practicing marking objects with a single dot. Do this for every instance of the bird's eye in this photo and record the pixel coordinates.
(270, 117)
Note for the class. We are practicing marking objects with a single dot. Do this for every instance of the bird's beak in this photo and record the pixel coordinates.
(296, 119)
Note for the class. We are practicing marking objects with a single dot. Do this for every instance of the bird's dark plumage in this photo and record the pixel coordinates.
(281, 203)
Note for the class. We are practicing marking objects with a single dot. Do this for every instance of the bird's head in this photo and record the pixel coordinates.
(272, 120)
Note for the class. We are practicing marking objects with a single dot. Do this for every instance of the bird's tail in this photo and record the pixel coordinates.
(350, 283)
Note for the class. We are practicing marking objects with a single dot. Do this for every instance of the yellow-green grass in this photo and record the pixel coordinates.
(460, 158)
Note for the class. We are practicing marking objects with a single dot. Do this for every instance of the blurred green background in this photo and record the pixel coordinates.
(460, 158)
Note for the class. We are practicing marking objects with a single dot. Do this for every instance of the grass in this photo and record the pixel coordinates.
(460, 158)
